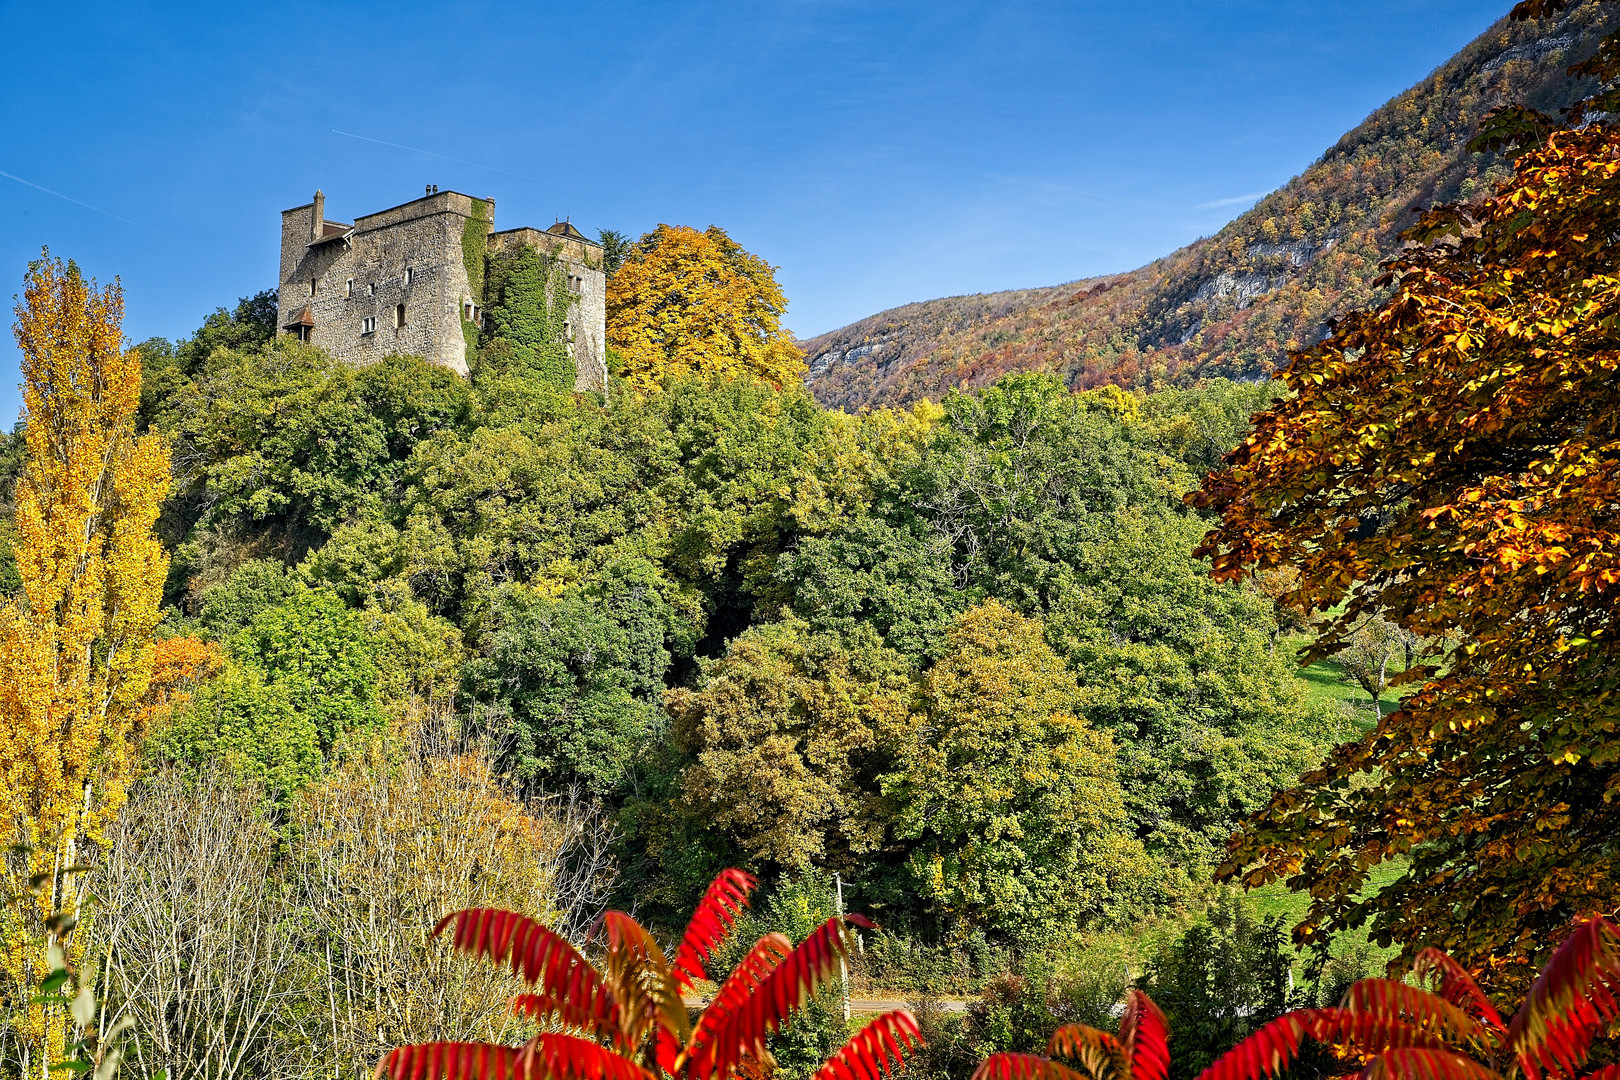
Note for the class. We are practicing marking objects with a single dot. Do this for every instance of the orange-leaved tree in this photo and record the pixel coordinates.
(695, 303)
(1450, 462)
(1387, 1028)
(1141, 1050)
(76, 639)
(625, 1016)
(179, 666)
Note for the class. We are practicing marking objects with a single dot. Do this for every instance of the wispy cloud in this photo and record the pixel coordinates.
(430, 153)
(76, 202)
(1235, 200)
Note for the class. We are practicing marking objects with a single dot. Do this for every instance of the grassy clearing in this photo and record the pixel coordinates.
(1276, 900)
(1326, 683)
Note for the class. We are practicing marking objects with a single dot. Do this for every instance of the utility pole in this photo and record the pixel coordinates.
(843, 966)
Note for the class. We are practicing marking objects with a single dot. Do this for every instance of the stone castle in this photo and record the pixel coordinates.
(411, 280)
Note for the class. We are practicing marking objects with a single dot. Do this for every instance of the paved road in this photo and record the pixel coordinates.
(860, 1005)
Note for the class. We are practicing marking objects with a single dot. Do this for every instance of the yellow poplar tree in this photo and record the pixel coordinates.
(688, 302)
(76, 640)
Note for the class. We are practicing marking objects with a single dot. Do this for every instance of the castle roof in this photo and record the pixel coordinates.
(565, 228)
(331, 231)
(303, 318)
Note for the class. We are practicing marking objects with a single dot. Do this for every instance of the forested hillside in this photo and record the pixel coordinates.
(725, 613)
(1233, 304)
(960, 655)
(323, 685)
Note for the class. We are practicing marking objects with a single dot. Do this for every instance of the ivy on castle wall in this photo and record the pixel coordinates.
(474, 254)
(475, 246)
(528, 318)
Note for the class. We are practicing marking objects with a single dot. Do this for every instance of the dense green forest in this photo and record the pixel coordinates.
(959, 656)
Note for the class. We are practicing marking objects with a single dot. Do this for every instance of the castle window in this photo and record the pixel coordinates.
(408, 274)
(348, 288)
(399, 316)
(368, 325)
(372, 289)
(312, 282)
(575, 284)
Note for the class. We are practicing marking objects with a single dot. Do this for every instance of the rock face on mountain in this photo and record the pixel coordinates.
(1235, 303)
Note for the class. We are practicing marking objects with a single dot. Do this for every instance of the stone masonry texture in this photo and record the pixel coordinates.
(396, 282)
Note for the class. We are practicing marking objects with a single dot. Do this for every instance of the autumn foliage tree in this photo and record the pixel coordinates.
(1011, 805)
(624, 1018)
(1450, 461)
(1388, 1028)
(76, 641)
(689, 302)
(179, 666)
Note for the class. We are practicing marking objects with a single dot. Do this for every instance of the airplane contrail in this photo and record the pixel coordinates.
(1235, 200)
(430, 153)
(76, 202)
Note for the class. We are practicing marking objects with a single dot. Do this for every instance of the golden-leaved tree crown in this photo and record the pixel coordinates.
(695, 303)
(76, 639)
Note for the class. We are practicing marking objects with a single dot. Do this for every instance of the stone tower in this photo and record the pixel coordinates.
(410, 280)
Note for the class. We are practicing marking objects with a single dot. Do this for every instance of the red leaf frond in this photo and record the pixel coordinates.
(1269, 1051)
(570, 989)
(714, 1048)
(560, 1007)
(1574, 996)
(1367, 1033)
(1458, 987)
(1104, 1056)
(450, 1061)
(667, 1049)
(566, 1057)
(640, 979)
(792, 983)
(711, 922)
(1421, 1063)
(875, 1050)
(1146, 1036)
(1009, 1066)
(1396, 1001)
(547, 1057)
(1608, 1072)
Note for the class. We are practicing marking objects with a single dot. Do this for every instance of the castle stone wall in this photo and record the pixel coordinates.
(587, 315)
(338, 276)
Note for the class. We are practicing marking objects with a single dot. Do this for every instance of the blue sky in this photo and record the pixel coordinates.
(876, 152)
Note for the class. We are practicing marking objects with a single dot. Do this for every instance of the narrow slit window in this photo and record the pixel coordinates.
(312, 282)
(409, 273)
(348, 288)
(372, 289)
(399, 316)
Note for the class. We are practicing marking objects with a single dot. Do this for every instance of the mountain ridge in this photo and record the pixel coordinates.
(1234, 303)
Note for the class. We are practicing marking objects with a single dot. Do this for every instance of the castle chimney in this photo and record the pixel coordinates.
(317, 217)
